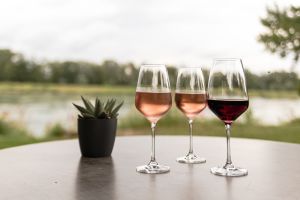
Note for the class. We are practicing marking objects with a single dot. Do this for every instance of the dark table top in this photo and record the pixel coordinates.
(55, 170)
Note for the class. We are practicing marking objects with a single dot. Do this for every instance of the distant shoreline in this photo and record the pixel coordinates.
(77, 89)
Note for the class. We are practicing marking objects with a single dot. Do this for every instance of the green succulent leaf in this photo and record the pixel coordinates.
(87, 115)
(103, 115)
(97, 107)
(80, 109)
(111, 106)
(89, 106)
(114, 112)
(107, 104)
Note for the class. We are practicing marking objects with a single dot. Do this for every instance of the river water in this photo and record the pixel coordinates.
(37, 113)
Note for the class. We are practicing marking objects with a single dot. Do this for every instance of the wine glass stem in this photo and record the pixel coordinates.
(153, 125)
(191, 151)
(228, 128)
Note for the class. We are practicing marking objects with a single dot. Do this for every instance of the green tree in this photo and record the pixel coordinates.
(112, 72)
(283, 32)
(7, 61)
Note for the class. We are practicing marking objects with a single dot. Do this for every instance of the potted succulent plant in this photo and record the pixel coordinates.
(97, 126)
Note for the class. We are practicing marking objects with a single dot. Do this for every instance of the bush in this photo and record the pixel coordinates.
(56, 130)
(13, 135)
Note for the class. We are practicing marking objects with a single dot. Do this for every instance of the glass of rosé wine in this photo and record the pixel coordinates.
(228, 99)
(190, 98)
(153, 99)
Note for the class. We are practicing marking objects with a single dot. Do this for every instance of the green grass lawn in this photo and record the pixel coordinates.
(11, 135)
(176, 125)
(29, 88)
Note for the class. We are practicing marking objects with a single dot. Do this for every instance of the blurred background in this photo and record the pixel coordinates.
(53, 51)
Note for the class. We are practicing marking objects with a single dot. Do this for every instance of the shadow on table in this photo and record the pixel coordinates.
(95, 179)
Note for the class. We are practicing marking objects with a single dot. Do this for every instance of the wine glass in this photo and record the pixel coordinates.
(227, 99)
(153, 99)
(190, 98)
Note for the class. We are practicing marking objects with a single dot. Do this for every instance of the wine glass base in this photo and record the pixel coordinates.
(191, 159)
(230, 172)
(153, 169)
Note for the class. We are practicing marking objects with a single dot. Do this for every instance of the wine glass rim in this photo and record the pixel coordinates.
(227, 59)
(153, 65)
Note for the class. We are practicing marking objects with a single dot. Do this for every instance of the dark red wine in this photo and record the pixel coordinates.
(228, 110)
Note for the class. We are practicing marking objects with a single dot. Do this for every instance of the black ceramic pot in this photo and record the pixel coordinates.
(96, 136)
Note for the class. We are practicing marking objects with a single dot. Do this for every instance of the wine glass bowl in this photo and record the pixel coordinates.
(191, 104)
(153, 99)
(228, 99)
(153, 105)
(228, 110)
(190, 98)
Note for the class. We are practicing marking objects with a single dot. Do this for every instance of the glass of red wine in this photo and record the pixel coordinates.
(227, 99)
(190, 98)
(153, 99)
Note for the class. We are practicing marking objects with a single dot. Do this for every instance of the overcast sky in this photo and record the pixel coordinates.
(190, 32)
